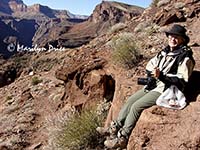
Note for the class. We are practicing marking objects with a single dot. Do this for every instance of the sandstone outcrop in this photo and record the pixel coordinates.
(104, 16)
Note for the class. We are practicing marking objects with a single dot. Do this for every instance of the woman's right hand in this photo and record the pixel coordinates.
(156, 72)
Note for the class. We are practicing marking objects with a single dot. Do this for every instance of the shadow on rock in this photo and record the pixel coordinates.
(192, 89)
(8, 76)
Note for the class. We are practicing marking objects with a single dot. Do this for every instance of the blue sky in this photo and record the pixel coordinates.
(82, 7)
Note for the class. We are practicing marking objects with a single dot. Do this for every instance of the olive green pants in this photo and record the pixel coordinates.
(132, 109)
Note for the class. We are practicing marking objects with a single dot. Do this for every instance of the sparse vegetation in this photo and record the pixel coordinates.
(147, 27)
(141, 26)
(162, 3)
(76, 131)
(80, 131)
(44, 64)
(117, 27)
(35, 80)
(151, 29)
(154, 3)
(8, 97)
(145, 30)
(125, 51)
(179, 5)
(21, 60)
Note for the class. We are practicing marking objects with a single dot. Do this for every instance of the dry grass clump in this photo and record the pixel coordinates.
(159, 3)
(35, 80)
(141, 27)
(154, 3)
(74, 130)
(162, 3)
(179, 5)
(117, 27)
(152, 29)
(8, 97)
(147, 27)
(125, 51)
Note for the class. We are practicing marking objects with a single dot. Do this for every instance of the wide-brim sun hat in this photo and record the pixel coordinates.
(179, 30)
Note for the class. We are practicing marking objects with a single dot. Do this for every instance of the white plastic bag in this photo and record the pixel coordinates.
(172, 98)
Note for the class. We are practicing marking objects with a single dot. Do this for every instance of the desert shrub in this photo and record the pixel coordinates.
(125, 51)
(179, 5)
(35, 81)
(147, 27)
(8, 97)
(79, 131)
(151, 29)
(154, 3)
(19, 60)
(70, 130)
(117, 27)
(162, 3)
(141, 26)
(44, 64)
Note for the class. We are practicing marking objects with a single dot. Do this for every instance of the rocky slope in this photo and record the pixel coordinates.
(9, 6)
(21, 21)
(104, 16)
(61, 28)
(51, 83)
(18, 9)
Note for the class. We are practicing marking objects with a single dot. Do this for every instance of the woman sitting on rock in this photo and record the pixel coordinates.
(171, 66)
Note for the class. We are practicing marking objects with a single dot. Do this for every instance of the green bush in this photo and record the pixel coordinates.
(125, 51)
(79, 132)
(36, 80)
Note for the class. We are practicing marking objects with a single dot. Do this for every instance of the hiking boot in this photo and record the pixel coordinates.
(112, 130)
(102, 131)
(119, 142)
(107, 131)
